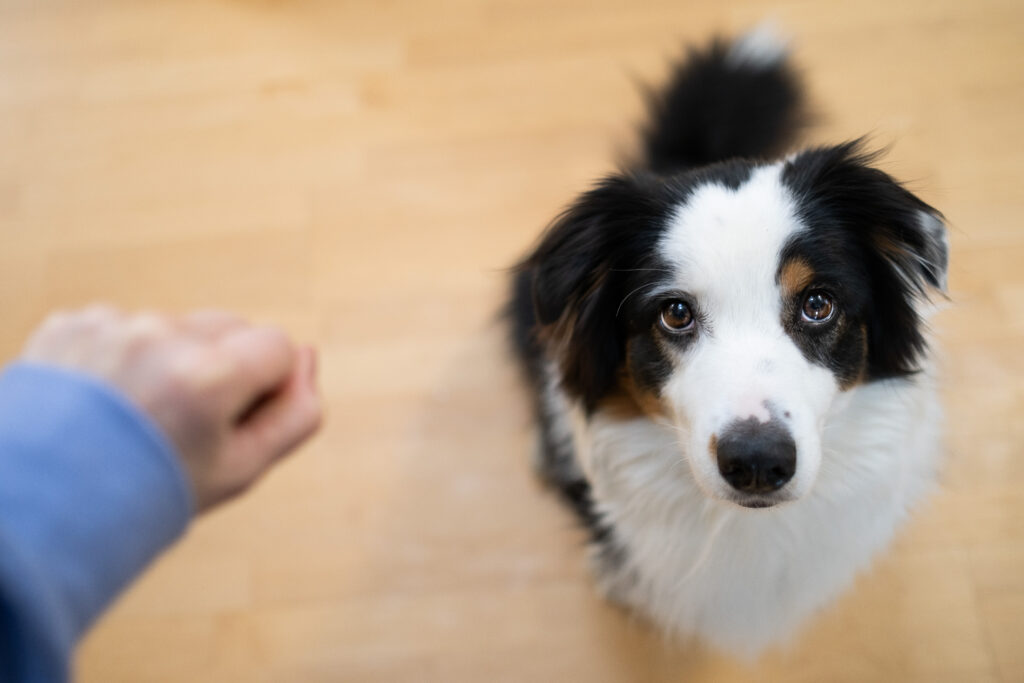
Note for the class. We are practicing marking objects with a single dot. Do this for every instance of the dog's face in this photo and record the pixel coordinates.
(737, 304)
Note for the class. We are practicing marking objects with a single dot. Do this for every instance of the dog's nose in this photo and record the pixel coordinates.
(756, 457)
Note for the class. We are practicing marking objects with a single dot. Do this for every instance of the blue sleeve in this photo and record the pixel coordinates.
(90, 492)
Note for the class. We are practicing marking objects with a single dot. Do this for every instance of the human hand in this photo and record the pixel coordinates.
(233, 398)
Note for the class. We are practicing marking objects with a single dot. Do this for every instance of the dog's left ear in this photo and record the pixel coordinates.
(935, 247)
(900, 240)
(912, 240)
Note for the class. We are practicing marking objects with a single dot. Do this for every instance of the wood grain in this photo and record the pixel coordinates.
(362, 173)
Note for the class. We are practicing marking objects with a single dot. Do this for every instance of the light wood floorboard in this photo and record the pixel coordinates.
(362, 173)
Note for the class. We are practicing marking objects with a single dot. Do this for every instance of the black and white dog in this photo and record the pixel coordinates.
(727, 353)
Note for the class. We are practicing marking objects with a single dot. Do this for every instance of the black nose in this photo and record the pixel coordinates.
(756, 457)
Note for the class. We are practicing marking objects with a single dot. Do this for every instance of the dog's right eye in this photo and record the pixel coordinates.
(676, 317)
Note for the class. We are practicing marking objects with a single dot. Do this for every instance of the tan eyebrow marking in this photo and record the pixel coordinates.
(795, 276)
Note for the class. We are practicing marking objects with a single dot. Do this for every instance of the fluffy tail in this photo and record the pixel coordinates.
(738, 99)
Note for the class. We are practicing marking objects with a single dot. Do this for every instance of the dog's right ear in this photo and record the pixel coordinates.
(578, 274)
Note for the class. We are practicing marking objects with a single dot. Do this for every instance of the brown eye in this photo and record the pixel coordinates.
(676, 316)
(818, 306)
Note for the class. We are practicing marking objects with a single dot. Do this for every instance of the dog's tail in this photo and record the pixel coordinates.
(732, 99)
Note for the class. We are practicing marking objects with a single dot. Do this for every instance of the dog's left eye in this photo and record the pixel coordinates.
(818, 306)
(676, 317)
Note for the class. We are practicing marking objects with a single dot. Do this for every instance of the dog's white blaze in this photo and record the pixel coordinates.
(725, 245)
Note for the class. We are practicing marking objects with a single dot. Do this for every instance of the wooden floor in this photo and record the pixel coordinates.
(362, 172)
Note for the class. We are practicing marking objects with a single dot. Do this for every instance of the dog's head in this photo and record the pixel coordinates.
(737, 302)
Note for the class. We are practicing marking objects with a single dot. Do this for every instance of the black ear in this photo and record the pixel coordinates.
(580, 271)
(898, 240)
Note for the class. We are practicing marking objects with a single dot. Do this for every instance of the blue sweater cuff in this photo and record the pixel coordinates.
(90, 492)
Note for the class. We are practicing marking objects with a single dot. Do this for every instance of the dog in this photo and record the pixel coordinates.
(728, 356)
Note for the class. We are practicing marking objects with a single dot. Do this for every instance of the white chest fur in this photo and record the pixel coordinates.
(743, 579)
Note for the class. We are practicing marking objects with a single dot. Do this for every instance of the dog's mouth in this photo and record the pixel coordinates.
(759, 502)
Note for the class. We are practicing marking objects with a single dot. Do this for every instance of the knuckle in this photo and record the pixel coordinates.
(96, 322)
(144, 328)
(56, 321)
(186, 366)
(202, 374)
(53, 330)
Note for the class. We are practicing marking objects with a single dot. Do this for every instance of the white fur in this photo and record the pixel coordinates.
(696, 563)
(765, 46)
(744, 579)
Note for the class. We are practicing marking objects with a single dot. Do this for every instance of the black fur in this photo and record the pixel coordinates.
(717, 108)
(590, 260)
(840, 344)
(865, 238)
(647, 362)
